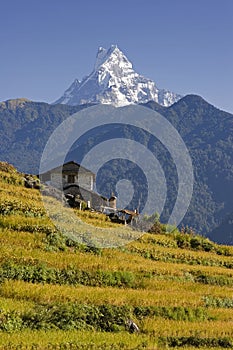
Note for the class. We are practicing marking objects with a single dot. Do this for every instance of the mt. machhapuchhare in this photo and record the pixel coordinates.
(114, 81)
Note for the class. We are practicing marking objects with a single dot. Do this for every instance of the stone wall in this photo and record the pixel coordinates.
(56, 181)
(96, 201)
(83, 180)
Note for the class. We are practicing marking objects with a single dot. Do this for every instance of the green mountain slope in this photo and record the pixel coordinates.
(58, 294)
(25, 127)
(208, 134)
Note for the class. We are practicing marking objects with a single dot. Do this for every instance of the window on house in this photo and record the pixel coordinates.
(71, 179)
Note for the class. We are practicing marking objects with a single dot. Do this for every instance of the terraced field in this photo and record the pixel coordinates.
(56, 293)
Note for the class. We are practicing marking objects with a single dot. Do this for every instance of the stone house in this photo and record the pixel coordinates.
(75, 181)
(72, 173)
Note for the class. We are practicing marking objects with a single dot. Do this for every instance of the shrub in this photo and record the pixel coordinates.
(40, 273)
(211, 301)
(196, 342)
(7, 168)
(178, 313)
(10, 321)
(74, 316)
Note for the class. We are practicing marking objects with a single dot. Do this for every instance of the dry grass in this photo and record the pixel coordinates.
(165, 272)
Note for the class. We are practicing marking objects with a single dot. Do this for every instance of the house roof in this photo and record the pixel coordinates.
(127, 211)
(66, 187)
(70, 167)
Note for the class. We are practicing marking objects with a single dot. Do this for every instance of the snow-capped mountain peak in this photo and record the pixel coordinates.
(114, 81)
(112, 54)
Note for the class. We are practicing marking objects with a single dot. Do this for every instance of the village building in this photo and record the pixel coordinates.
(72, 174)
(76, 182)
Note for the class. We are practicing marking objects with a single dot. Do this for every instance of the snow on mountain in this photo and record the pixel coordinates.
(114, 81)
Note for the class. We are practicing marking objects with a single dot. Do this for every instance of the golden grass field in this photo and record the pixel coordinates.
(180, 297)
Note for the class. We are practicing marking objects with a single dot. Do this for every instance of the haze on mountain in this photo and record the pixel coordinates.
(25, 127)
(114, 81)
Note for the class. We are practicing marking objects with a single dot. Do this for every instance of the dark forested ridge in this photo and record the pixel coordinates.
(208, 135)
(25, 127)
(207, 131)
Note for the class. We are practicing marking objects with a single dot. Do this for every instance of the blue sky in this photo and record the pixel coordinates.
(184, 45)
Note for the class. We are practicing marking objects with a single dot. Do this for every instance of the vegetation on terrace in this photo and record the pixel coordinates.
(56, 293)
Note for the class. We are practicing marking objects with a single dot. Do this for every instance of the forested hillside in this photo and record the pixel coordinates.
(25, 127)
(207, 133)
